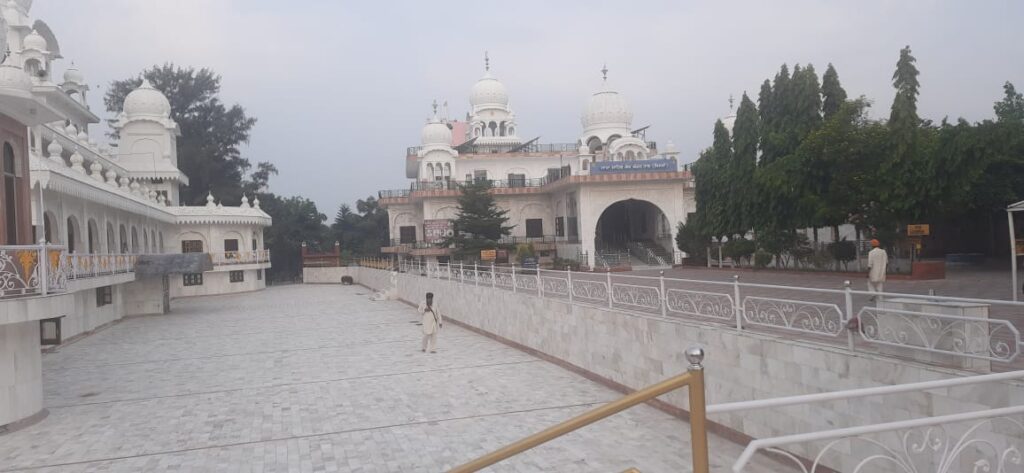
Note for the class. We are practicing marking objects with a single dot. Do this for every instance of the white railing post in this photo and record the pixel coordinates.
(540, 284)
(568, 279)
(849, 314)
(513, 277)
(462, 273)
(736, 302)
(41, 267)
(719, 255)
(476, 274)
(494, 276)
(662, 298)
(608, 278)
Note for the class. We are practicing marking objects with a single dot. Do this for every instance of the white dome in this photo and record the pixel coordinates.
(35, 41)
(729, 122)
(488, 91)
(607, 108)
(73, 75)
(436, 133)
(146, 101)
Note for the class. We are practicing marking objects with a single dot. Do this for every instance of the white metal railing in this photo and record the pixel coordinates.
(988, 440)
(240, 257)
(842, 317)
(22, 274)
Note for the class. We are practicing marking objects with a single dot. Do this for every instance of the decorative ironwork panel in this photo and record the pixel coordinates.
(799, 316)
(469, 276)
(19, 273)
(57, 271)
(988, 445)
(526, 281)
(503, 280)
(971, 337)
(485, 278)
(553, 285)
(646, 297)
(701, 304)
(589, 290)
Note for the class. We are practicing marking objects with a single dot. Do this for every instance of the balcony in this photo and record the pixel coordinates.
(22, 275)
(233, 258)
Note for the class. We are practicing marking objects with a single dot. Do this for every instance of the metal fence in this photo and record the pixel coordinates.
(228, 258)
(948, 331)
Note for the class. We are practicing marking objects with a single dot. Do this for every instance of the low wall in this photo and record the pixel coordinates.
(636, 350)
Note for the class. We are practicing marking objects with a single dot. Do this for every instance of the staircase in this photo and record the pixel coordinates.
(650, 253)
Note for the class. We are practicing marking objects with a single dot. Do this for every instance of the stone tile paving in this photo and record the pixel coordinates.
(319, 378)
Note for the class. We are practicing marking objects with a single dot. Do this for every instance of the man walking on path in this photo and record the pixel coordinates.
(877, 262)
(432, 323)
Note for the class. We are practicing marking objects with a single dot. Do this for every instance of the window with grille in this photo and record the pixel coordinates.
(104, 296)
(236, 276)
(407, 234)
(192, 279)
(534, 227)
(559, 226)
(480, 176)
(192, 246)
(517, 180)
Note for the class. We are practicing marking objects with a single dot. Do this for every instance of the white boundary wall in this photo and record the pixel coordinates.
(637, 350)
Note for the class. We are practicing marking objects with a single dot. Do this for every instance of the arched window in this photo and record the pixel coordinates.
(73, 235)
(161, 240)
(111, 242)
(629, 155)
(501, 129)
(135, 240)
(10, 195)
(93, 238)
(48, 228)
(145, 242)
(494, 128)
(511, 131)
(123, 233)
(594, 144)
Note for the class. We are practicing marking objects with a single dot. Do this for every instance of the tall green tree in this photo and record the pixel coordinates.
(363, 232)
(903, 119)
(211, 132)
(713, 196)
(833, 95)
(1011, 108)
(296, 221)
(479, 223)
(744, 162)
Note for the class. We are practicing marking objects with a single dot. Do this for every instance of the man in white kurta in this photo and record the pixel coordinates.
(877, 262)
(431, 324)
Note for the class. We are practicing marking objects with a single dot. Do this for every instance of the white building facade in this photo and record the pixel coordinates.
(609, 195)
(79, 215)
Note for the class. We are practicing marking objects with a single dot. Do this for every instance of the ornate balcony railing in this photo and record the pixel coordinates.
(240, 257)
(39, 270)
(845, 318)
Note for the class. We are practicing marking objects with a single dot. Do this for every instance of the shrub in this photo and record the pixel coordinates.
(739, 249)
(346, 280)
(762, 259)
(691, 241)
(843, 251)
(559, 264)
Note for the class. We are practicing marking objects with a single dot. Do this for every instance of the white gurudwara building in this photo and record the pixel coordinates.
(81, 219)
(610, 197)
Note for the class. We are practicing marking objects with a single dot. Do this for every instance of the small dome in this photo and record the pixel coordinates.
(607, 107)
(146, 101)
(729, 122)
(36, 41)
(82, 136)
(55, 149)
(488, 91)
(436, 133)
(13, 77)
(74, 76)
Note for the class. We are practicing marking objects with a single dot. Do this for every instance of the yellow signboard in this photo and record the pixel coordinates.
(488, 255)
(918, 230)
(1020, 247)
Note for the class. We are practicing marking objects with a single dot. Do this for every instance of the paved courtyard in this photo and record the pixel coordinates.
(319, 378)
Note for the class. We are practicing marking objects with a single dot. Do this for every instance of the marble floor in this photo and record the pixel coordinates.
(320, 378)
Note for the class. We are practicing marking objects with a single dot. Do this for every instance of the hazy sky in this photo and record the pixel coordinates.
(342, 88)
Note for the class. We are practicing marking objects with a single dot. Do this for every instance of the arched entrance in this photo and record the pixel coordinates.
(636, 228)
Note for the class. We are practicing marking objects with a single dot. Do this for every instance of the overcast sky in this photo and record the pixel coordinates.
(342, 88)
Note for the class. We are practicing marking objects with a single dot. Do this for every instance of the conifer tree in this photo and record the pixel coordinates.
(479, 223)
(833, 94)
(744, 161)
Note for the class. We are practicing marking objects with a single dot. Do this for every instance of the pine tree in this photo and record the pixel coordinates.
(479, 223)
(805, 106)
(710, 173)
(744, 161)
(833, 94)
(903, 119)
(774, 116)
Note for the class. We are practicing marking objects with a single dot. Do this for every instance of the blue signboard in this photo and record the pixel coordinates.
(624, 167)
